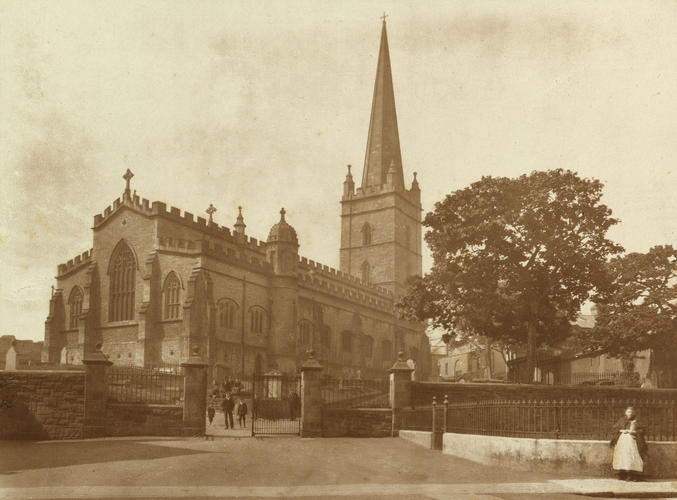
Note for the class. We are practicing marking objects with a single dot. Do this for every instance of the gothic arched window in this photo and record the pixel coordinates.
(365, 271)
(227, 311)
(347, 342)
(122, 274)
(386, 350)
(257, 320)
(74, 307)
(171, 296)
(366, 234)
(306, 333)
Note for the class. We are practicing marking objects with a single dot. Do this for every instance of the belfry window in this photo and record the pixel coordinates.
(365, 271)
(171, 294)
(366, 234)
(122, 284)
(74, 307)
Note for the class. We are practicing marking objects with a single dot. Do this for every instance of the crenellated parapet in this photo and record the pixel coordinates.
(144, 207)
(74, 263)
(308, 265)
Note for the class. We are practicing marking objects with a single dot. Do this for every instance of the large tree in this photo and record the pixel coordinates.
(514, 259)
(639, 311)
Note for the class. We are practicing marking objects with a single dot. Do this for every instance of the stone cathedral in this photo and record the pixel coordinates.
(159, 282)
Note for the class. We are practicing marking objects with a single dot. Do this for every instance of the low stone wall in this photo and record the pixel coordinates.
(422, 392)
(138, 419)
(356, 422)
(421, 438)
(42, 405)
(591, 458)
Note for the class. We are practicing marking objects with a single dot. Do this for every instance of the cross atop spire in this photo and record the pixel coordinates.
(282, 212)
(210, 210)
(383, 141)
(383, 17)
(128, 177)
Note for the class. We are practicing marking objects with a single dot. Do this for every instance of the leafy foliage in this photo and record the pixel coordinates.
(514, 259)
(639, 310)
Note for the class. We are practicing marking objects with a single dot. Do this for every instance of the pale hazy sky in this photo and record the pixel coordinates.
(264, 103)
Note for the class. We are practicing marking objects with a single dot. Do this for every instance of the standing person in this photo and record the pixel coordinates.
(227, 407)
(211, 411)
(630, 448)
(293, 404)
(242, 413)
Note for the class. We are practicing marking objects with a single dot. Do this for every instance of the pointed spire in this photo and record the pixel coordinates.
(383, 142)
(239, 225)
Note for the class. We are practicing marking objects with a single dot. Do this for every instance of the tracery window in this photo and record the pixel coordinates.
(257, 320)
(227, 311)
(171, 296)
(347, 342)
(306, 333)
(122, 273)
(74, 307)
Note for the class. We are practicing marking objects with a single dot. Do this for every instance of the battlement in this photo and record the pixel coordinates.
(74, 263)
(335, 274)
(413, 194)
(213, 249)
(347, 292)
(159, 209)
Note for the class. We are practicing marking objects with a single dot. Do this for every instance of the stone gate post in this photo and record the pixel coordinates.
(96, 393)
(311, 397)
(400, 389)
(194, 395)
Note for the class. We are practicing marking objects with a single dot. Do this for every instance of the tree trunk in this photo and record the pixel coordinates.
(531, 351)
(489, 358)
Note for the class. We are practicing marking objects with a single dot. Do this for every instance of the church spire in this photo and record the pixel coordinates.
(383, 142)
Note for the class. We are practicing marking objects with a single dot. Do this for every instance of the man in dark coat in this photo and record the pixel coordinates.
(227, 406)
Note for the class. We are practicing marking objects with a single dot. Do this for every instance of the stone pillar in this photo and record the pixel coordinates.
(400, 389)
(194, 395)
(96, 393)
(311, 397)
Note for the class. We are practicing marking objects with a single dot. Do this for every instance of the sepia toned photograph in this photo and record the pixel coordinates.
(321, 249)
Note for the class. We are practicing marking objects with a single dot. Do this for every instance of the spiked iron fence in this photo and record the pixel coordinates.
(355, 393)
(150, 385)
(570, 419)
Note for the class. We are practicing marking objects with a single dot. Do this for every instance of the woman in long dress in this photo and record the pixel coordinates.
(630, 449)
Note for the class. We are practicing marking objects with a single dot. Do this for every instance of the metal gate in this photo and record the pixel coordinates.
(276, 404)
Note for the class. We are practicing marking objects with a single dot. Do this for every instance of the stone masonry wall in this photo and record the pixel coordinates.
(134, 419)
(356, 422)
(42, 405)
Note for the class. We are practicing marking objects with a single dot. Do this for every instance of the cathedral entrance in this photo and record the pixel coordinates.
(276, 404)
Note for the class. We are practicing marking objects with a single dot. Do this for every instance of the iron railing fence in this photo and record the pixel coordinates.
(160, 384)
(276, 404)
(553, 375)
(355, 393)
(560, 419)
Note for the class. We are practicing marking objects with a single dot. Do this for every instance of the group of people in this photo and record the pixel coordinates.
(228, 405)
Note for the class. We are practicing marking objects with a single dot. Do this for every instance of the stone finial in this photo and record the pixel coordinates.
(401, 356)
(311, 363)
(240, 225)
(282, 212)
(96, 357)
(210, 211)
(401, 364)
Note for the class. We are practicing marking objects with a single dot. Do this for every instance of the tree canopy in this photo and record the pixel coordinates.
(639, 310)
(514, 259)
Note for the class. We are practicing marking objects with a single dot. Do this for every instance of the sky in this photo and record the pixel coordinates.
(263, 104)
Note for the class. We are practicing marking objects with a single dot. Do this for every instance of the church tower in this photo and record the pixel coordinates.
(381, 219)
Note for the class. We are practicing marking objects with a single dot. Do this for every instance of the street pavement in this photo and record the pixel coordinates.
(245, 467)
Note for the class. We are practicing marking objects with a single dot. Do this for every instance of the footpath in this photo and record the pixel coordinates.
(244, 467)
